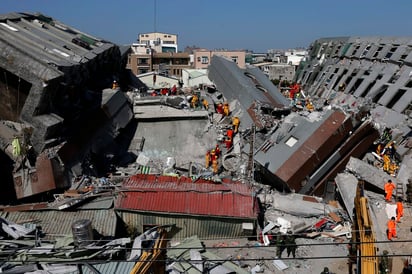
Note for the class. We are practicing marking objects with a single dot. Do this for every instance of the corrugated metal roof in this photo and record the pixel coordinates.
(60, 222)
(179, 195)
(109, 267)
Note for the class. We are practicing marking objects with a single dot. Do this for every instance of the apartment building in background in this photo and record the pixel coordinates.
(157, 52)
(202, 57)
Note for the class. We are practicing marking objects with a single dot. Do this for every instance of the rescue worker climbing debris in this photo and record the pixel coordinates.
(399, 210)
(219, 108)
(194, 101)
(389, 187)
(386, 162)
(235, 123)
(226, 110)
(228, 143)
(215, 166)
(218, 151)
(208, 159)
(391, 231)
(205, 104)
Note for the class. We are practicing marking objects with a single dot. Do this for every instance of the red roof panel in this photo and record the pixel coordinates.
(179, 195)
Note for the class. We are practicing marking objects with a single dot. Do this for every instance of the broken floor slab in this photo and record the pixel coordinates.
(297, 204)
(347, 185)
(368, 173)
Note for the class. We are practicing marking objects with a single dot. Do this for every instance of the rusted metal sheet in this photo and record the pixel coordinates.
(179, 195)
(24, 207)
(28, 182)
(315, 150)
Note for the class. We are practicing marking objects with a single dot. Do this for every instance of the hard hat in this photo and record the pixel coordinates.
(213, 151)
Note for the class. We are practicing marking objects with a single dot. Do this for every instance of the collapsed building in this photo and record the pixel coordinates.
(291, 151)
(359, 74)
(56, 97)
(61, 117)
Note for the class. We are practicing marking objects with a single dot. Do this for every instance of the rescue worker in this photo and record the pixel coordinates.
(115, 85)
(391, 229)
(219, 108)
(229, 133)
(280, 245)
(228, 143)
(205, 104)
(390, 149)
(384, 262)
(399, 210)
(309, 106)
(226, 110)
(291, 244)
(325, 271)
(194, 101)
(208, 159)
(215, 166)
(386, 162)
(213, 155)
(379, 149)
(217, 150)
(294, 88)
(235, 123)
(393, 167)
(173, 90)
(387, 135)
(389, 187)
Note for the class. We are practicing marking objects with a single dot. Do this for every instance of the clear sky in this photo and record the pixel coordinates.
(256, 25)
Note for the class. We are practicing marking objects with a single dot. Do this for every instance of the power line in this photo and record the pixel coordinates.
(206, 247)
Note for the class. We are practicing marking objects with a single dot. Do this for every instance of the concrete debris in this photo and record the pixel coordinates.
(367, 172)
(297, 204)
(14, 230)
(301, 149)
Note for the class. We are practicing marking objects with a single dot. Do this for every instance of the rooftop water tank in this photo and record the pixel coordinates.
(82, 232)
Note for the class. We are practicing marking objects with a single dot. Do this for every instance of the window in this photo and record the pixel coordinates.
(291, 141)
(205, 60)
(234, 59)
(396, 98)
(143, 61)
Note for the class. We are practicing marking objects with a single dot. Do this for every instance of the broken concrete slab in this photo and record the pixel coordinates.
(347, 185)
(297, 204)
(368, 173)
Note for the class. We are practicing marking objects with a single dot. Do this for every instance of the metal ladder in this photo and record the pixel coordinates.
(399, 193)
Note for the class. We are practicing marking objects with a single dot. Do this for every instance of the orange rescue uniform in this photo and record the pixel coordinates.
(208, 159)
(399, 211)
(389, 187)
(391, 229)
